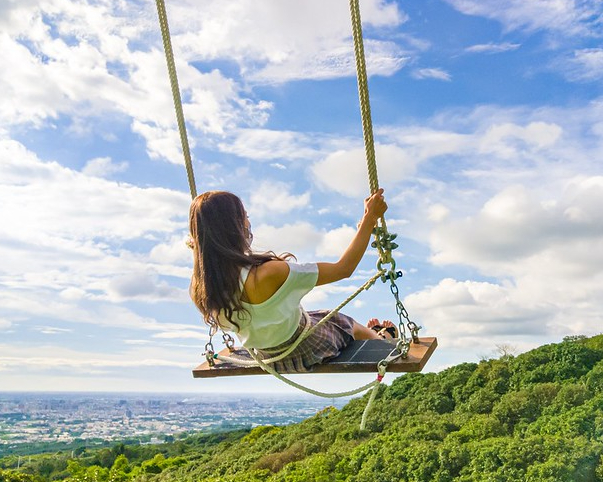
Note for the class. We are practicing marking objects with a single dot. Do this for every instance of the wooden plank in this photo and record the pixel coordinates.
(361, 356)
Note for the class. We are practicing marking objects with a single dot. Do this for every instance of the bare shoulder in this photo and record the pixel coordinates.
(265, 280)
(272, 269)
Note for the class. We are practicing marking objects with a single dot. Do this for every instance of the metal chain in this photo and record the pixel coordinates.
(209, 346)
(401, 310)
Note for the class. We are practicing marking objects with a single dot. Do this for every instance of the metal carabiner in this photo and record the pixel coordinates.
(228, 341)
(210, 354)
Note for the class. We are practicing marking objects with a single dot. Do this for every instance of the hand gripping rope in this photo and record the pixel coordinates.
(386, 265)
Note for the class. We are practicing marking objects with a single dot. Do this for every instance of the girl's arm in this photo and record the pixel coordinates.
(266, 279)
(374, 207)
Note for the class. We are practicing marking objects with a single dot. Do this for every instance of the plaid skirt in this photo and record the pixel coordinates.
(323, 344)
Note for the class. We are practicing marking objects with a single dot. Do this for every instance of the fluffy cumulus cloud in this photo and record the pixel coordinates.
(307, 242)
(311, 42)
(35, 190)
(103, 167)
(346, 171)
(59, 52)
(63, 242)
(272, 197)
(144, 286)
(546, 254)
(299, 238)
(335, 241)
(514, 226)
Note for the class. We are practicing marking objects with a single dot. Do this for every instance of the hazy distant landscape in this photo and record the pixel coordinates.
(33, 422)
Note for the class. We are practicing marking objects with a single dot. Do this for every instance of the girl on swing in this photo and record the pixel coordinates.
(257, 295)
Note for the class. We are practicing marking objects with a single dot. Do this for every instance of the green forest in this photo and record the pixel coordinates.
(534, 417)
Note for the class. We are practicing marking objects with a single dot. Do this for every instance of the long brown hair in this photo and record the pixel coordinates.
(221, 245)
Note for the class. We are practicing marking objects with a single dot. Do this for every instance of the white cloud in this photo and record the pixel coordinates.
(509, 140)
(63, 234)
(141, 286)
(184, 334)
(492, 48)
(99, 47)
(433, 73)
(550, 253)
(520, 206)
(103, 167)
(564, 16)
(585, 65)
(173, 251)
(335, 241)
(438, 213)
(52, 330)
(274, 197)
(50, 357)
(268, 145)
(310, 42)
(72, 293)
(515, 225)
(463, 311)
(42, 303)
(76, 206)
(382, 58)
(322, 296)
(487, 149)
(162, 143)
(300, 238)
(346, 171)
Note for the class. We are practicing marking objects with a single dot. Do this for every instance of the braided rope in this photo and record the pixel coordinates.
(365, 105)
(374, 386)
(169, 57)
(363, 94)
(348, 393)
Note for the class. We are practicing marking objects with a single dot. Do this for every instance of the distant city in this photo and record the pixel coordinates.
(65, 418)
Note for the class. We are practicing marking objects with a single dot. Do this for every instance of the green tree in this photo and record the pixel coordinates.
(13, 476)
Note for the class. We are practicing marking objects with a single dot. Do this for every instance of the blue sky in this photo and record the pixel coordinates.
(488, 124)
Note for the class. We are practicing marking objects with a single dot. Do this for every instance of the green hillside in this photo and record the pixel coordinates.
(535, 417)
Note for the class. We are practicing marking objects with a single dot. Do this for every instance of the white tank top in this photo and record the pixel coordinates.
(274, 321)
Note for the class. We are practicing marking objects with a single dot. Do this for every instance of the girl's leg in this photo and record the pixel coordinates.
(361, 332)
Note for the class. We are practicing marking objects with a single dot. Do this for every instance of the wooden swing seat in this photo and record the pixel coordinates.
(361, 356)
